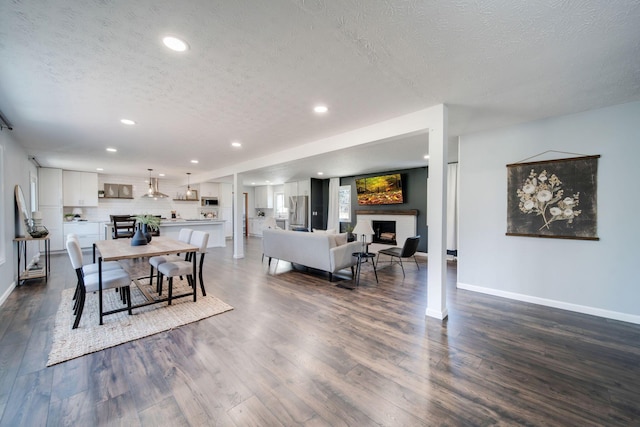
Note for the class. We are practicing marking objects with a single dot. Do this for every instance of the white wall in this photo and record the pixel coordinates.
(16, 170)
(595, 277)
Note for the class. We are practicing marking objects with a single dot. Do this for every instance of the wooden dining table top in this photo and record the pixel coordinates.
(118, 249)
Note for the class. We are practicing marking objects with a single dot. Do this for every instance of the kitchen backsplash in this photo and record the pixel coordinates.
(139, 205)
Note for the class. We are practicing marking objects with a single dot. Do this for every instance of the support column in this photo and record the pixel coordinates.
(437, 214)
(238, 201)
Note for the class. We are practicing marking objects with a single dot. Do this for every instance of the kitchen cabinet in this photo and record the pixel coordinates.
(256, 226)
(50, 205)
(80, 188)
(264, 197)
(88, 232)
(304, 187)
(209, 189)
(226, 214)
(296, 188)
(225, 198)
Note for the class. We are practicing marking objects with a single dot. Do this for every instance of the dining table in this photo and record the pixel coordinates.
(121, 249)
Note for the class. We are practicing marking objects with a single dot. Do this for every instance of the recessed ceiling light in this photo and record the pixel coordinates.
(127, 122)
(320, 109)
(112, 150)
(160, 174)
(320, 173)
(194, 161)
(253, 183)
(236, 144)
(426, 157)
(99, 169)
(175, 43)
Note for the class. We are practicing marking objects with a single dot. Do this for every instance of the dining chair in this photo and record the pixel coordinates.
(111, 279)
(154, 262)
(408, 250)
(93, 267)
(90, 268)
(124, 226)
(185, 268)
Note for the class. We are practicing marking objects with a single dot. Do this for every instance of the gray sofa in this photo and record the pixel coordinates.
(326, 252)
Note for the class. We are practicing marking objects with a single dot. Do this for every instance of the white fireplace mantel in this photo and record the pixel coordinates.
(406, 224)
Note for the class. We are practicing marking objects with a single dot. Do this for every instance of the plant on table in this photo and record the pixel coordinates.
(152, 221)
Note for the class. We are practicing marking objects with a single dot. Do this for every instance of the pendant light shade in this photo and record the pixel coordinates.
(189, 192)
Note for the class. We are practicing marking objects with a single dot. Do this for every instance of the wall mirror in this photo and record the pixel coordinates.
(22, 214)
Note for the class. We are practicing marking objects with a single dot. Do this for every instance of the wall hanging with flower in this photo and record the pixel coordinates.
(553, 198)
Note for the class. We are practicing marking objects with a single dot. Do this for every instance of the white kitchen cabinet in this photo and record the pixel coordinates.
(50, 187)
(297, 188)
(80, 188)
(304, 187)
(256, 226)
(50, 205)
(226, 214)
(290, 190)
(209, 189)
(52, 220)
(225, 198)
(264, 197)
(88, 232)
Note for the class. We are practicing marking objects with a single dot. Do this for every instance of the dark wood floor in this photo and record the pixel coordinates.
(297, 350)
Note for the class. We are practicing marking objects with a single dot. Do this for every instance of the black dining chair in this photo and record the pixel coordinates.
(408, 250)
(124, 226)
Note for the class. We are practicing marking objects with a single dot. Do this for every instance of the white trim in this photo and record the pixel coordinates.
(593, 311)
(6, 294)
(437, 314)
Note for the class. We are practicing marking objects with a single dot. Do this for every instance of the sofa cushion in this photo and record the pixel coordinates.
(341, 239)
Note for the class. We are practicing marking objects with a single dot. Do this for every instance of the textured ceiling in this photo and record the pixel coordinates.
(71, 69)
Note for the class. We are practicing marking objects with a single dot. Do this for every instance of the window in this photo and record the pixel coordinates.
(280, 209)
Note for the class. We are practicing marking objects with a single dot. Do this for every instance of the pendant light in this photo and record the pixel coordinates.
(150, 190)
(188, 186)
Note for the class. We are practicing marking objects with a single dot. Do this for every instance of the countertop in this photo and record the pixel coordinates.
(173, 222)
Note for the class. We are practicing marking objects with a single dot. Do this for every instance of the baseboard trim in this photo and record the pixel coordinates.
(4, 296)
(441, 315)
(593, 311)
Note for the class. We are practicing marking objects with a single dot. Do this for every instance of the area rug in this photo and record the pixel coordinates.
(119, 328)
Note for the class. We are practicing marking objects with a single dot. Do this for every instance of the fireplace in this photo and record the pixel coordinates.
(384, 232)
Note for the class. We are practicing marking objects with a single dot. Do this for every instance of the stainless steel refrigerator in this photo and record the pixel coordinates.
(298, 212)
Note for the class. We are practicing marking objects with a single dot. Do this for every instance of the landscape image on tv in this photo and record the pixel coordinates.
(380, 190)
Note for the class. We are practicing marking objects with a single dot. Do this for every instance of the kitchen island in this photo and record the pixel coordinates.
(171, 228)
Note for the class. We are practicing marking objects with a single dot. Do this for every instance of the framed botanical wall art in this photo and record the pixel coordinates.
(553, 198)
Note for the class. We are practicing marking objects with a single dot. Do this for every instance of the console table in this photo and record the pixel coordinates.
(22, 252)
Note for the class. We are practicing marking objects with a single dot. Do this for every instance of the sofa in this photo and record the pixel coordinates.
(322, 251)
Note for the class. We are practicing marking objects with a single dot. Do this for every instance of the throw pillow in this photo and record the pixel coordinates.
(341, 239)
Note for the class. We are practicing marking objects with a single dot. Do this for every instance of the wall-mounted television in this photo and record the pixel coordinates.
(380, 190)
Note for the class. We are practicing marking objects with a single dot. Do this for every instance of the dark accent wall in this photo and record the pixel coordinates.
(319, 203)
(415, 196)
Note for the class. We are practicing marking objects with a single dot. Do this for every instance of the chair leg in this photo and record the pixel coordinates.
(151, 276)
(170, 289)
(128, 290)
(401, 266)
(204, 293)
(414, 258)
(160, 279)
(80, 301)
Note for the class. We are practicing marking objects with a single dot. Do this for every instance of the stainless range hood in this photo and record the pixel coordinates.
(153, 192)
